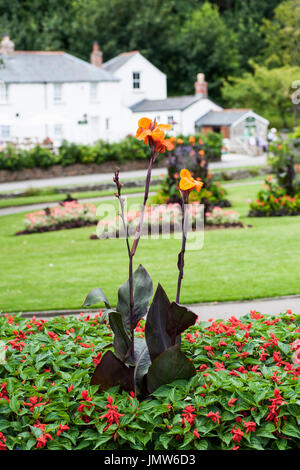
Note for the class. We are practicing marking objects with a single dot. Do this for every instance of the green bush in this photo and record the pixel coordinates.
(69, 153)
(273, 200)
(16, 159)
(43, 157)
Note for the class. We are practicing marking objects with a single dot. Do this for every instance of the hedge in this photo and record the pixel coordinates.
(12, 158)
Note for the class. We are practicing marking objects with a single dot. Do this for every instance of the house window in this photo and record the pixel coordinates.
(136, 80)
(57, 92)
(5, 132)
(58, 130)
(3, 93)
(93, 91)
(170, 119)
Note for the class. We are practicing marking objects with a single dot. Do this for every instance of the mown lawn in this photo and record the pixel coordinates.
(56, 270)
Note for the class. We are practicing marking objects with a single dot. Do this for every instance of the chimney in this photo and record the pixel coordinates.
(201, 86)
(96, 55)
(7, 47)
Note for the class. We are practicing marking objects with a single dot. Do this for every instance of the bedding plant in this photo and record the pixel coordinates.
(245, 394)
(67, 214)
(281, 197)
(155, 218)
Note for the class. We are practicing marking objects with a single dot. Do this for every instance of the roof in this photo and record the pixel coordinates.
(116, 62)
(226, 117)
(168, 104)
(52, 66)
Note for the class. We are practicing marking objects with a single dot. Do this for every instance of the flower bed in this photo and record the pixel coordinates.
(282, 197)
(161, 218)
(272, 201)
(245, 394)
(64, 216)
(194, 154)
(218, 216)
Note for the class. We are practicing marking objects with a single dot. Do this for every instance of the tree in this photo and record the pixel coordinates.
(283, 35)
(206, 44)
(245, 18)
(265, 91)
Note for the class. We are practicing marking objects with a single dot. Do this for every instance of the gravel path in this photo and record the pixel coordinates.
(42, 205)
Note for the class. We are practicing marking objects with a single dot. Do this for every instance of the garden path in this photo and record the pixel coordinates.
(215, 310)
(229, 160)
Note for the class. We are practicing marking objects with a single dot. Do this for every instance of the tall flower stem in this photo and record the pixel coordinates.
(132, 250)
(147, 186)
(180, 263)
(126, 230)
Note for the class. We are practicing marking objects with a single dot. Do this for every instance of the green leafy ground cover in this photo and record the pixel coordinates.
(245, 394)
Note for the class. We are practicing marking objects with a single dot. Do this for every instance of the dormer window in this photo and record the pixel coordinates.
(136, 80)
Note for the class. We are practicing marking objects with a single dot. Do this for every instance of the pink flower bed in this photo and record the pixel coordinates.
(59, 215)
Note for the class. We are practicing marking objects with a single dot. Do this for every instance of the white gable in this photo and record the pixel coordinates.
(152, 82)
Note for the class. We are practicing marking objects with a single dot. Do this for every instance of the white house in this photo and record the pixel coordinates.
(56, 95)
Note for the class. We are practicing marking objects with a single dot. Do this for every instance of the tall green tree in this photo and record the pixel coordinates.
(265, 91)
(205, 44)
(246, 18)
(283, 35)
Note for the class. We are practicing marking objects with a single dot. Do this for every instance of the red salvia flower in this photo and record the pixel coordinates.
(112, 416)
(215, 417)
(249, 426)
(2, 442)
(232, 402)
(3, 391)
(62, 428)
(42, 440)
(237, 434)
(188, 415)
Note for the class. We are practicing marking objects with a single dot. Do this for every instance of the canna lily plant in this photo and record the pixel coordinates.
(141, 364)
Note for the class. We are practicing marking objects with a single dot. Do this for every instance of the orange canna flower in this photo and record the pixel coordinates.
(200, 141)
(171, 146)
(188, 183)
(179, 141)
(201, 153)
(173, 139)
(192, 140)
(155, 132)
